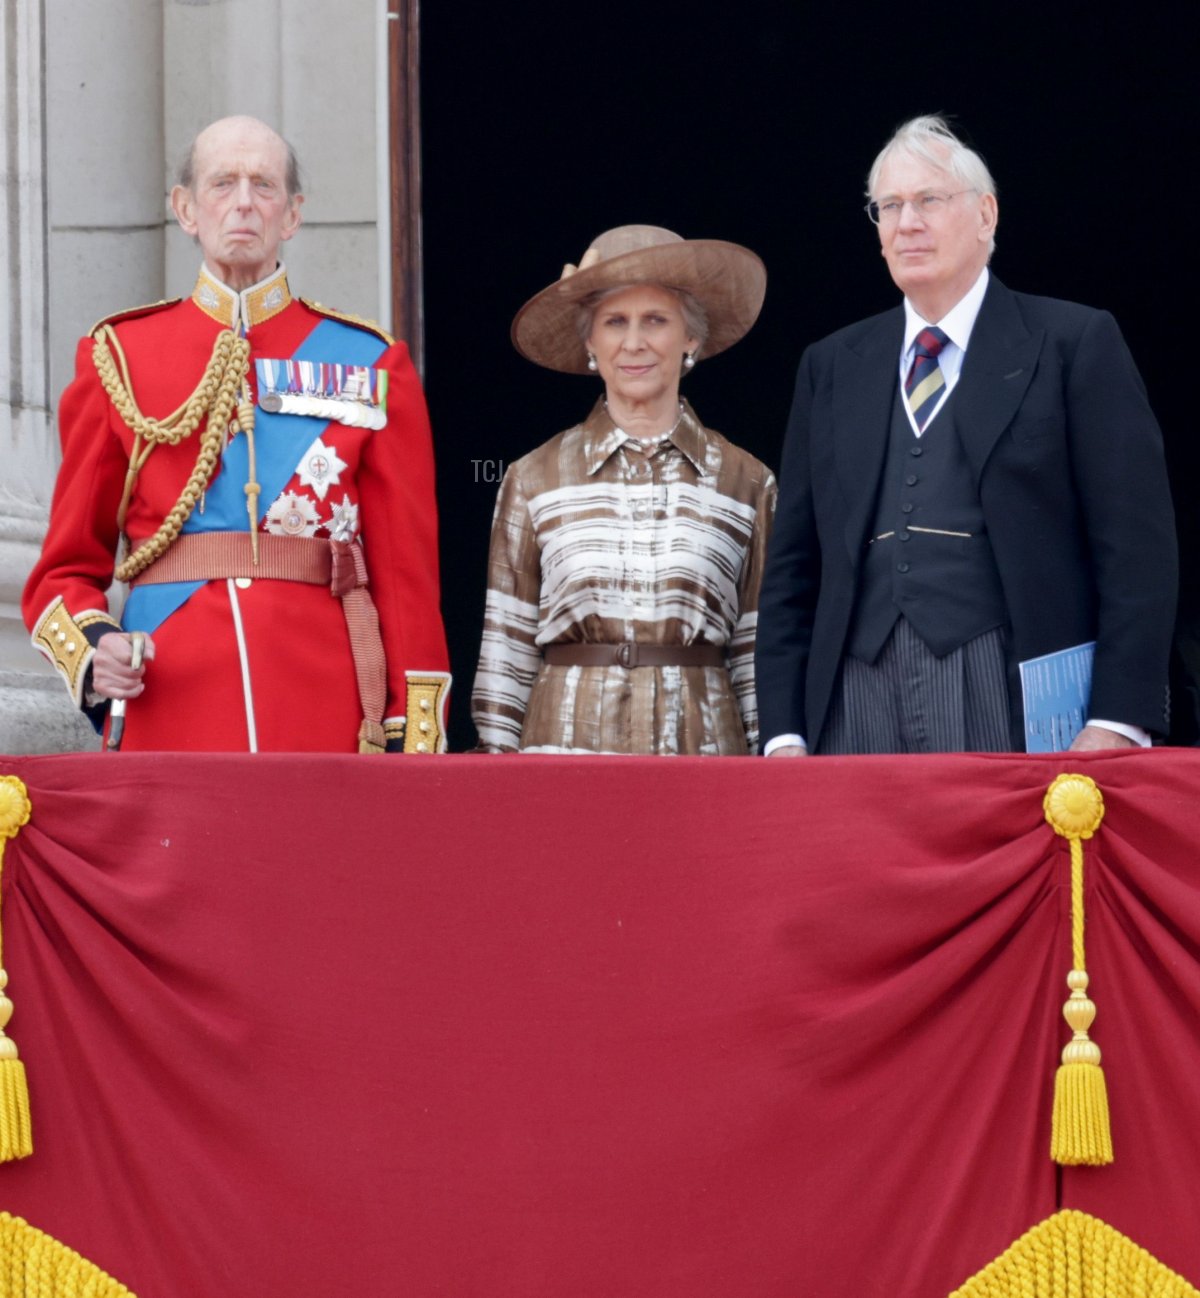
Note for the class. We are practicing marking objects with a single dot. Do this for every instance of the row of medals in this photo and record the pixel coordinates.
(338, 410)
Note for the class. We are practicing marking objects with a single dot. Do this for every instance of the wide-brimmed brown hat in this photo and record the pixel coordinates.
(729, 281)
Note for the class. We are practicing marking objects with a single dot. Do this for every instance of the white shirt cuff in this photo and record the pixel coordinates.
(782, 741)
(1136, 733)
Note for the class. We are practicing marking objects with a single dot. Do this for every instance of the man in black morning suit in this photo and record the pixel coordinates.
(970, 480)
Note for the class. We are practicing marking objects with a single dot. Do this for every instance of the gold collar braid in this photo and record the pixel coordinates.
(214, 397)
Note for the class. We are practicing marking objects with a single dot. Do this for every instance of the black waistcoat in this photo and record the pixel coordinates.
(931, 561)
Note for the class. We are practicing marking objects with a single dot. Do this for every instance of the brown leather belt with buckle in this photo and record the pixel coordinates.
(631, 654)
(212, 556)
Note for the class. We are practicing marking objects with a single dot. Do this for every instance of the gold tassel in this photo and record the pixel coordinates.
(35, 1265)
(16, 1132)
(1074, 1255)
(1081, 1133)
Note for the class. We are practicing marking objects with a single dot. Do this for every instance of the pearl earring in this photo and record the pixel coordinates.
(689, 360)
(592, 363)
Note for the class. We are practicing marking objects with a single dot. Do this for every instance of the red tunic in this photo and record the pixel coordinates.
(260, 664)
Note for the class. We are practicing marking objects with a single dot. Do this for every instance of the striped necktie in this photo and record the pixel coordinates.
(923, 387)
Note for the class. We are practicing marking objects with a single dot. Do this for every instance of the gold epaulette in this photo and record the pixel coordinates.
(132, 313)
(359, 323)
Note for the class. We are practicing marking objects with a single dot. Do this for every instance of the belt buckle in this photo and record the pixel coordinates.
(627, 653)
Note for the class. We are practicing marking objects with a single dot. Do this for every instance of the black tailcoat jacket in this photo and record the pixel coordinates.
(1068, 461)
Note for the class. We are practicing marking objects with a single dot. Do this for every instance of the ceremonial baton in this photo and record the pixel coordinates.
(116, 714)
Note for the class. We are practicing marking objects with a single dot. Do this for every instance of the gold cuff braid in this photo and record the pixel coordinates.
(424, 731)
(63, 640)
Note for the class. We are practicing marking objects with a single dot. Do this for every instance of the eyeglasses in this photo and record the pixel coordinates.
(927, 206)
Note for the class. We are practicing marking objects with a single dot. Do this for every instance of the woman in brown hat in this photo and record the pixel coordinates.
(626, 552)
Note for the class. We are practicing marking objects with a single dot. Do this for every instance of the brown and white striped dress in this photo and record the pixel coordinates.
(596, 540)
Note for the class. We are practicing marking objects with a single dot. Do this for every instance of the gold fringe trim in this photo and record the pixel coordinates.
(1074, 1255)
(35, 1265)
(1081, 1131)
(16, 1128)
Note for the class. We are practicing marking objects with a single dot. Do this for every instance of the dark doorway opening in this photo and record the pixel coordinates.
(543, 124)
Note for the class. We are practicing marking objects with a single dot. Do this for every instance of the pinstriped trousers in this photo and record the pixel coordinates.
(911, 701)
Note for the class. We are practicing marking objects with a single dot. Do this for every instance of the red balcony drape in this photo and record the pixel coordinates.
(705, 1028)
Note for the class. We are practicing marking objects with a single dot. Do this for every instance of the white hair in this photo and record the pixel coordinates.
(931, 139)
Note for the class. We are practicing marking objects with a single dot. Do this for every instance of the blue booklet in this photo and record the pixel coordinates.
(1055, 690)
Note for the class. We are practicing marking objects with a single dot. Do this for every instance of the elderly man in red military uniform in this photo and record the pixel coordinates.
(265, 469)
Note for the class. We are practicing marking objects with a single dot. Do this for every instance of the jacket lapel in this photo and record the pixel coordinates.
(1001, 360)
(865, 379)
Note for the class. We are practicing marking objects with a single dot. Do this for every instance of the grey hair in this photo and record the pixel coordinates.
(931, 139)
(695, 318)
(186, 175)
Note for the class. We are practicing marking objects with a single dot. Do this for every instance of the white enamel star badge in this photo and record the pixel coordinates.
(292, 515)
(344, 524)
(320, 468)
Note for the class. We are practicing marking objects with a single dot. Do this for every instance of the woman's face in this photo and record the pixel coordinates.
(639, 338)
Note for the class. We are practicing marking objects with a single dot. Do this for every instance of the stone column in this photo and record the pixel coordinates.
(104, 156)
(35, 714)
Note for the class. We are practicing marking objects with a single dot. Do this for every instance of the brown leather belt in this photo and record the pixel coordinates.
(631, 654)
(214, 556)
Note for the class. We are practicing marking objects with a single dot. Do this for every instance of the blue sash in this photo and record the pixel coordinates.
(279, 442)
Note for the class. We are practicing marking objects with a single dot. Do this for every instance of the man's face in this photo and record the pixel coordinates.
(934, 257)
(238, 207)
